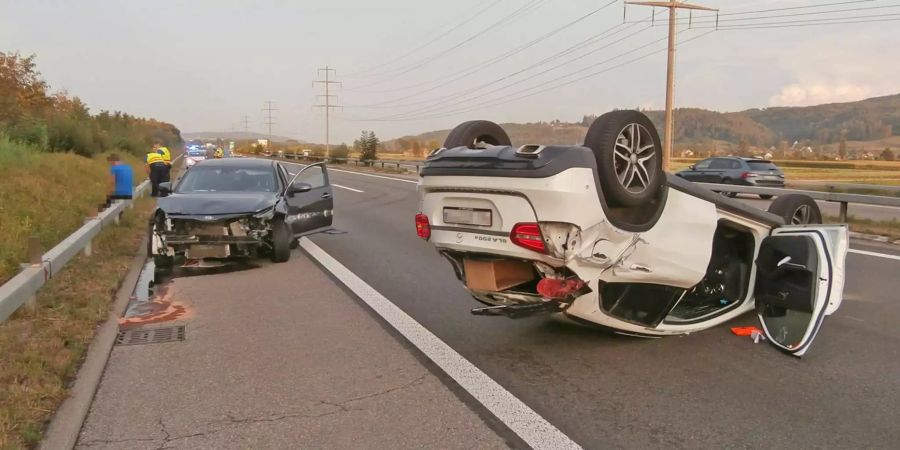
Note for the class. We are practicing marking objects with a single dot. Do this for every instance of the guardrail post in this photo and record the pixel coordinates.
(35, 252)
(382, 165)
(89, 248)
(843, 211)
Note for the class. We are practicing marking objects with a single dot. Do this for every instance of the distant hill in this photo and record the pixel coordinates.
(234, 135)
(873, 119)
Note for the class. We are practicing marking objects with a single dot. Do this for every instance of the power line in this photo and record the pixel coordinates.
(530, 5)
(475, 68)
(459, 96)
(328, 106)
(545, 86)
(426, 44)
(820, 22)
(775, 16)
(468, 95)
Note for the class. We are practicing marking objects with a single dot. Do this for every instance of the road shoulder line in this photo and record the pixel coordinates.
(875, 254)
(522, 420)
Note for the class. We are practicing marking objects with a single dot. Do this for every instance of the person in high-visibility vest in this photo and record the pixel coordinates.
(167, 159)
(219, 153)
(156, 169)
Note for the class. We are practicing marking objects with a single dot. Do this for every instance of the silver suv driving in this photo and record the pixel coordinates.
(734, 170)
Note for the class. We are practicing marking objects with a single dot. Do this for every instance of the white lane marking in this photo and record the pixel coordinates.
(330, 169)
(522, 420)
(347, 188)
(875, 254)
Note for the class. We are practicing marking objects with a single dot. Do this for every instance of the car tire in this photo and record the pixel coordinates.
(281, 241)
(796, 209)
(621, 159)
(726, 193)
(468, 134)
(766, 196)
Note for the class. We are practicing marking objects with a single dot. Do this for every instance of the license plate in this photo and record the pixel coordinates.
(468, 216)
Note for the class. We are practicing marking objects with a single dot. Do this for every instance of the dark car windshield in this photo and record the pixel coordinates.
(218, 179)
(761, 165)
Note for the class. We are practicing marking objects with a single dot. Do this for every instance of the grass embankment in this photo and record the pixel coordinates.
(891, 228)
(42, 349)
(47, 195)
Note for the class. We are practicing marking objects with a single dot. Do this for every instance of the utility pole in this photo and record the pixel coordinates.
(327, 82)
(246, 121)
(674, 6)
(268, 109)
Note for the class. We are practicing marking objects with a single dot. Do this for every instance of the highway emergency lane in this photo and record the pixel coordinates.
(710, 389)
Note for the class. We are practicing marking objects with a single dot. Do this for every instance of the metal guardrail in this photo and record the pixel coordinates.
(837, 197)
(375, 162)
(21, 289)
(830, 194)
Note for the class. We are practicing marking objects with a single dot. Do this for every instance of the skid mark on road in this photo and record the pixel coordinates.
(522, 420)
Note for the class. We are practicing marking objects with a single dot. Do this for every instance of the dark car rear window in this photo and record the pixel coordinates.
(761, 165)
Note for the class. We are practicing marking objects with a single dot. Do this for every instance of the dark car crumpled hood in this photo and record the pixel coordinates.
(217, 204)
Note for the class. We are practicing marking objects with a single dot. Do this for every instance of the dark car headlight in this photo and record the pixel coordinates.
(265, 214)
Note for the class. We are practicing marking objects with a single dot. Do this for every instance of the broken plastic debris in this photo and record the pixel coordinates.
(744, 331)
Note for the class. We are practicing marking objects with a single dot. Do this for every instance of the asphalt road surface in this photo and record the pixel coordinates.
(710, 389)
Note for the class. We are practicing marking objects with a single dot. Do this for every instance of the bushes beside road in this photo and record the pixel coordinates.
(47, 195)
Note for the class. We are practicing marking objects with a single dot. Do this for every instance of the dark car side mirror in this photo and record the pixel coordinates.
(165, 187)
(693, 167)
(298, 188)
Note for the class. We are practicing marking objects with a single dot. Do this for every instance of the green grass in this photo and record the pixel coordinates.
(47, 195)
(41, 350)
(889, 228)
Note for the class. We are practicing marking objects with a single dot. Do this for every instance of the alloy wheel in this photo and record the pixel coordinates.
(633, 157)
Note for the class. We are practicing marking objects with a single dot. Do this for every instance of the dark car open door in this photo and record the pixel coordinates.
(799, 281)
(310, 202)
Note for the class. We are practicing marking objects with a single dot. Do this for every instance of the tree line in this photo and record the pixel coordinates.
(55, 121)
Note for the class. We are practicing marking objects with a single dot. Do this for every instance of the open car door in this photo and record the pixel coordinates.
(310, 201)
(800, 280)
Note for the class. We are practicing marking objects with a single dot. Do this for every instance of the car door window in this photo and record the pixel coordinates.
(735, 164)
(314, 176)
(702, 165)
(720, 164)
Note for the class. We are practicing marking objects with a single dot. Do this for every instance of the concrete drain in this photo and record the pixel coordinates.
(136, 336)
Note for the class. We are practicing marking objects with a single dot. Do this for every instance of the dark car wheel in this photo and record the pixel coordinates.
(281, 241)
(629, 157)
(766, 196)
(796, 209)
(470, 134)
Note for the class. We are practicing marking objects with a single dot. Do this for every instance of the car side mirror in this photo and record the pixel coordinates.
(165, 187)
(298, 188)
(693, 167)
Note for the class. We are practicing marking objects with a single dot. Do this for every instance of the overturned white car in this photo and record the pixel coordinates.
(601, 234)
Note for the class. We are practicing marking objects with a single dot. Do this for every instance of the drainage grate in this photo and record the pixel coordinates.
(137, 336)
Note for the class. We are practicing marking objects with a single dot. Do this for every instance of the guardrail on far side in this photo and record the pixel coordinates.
(22, 288)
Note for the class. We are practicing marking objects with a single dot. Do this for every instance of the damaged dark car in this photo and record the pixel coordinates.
(238, 208)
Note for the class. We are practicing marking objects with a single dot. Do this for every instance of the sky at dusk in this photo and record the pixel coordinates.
(411, 66)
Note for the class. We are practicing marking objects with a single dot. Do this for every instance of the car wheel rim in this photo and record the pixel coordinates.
(633, 158)
(801, 215)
